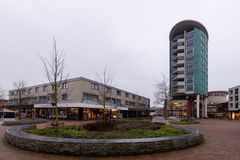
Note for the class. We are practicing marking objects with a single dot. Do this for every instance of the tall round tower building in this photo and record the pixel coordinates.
(188, 69)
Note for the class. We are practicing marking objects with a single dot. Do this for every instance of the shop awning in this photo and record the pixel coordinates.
(122, 108)
(6, 110)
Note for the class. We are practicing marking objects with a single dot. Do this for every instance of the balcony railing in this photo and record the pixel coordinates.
(178, 83)
(179, 63)
(178, 76)
(178, 90)
(176, 58)
(176, 70)
(180, 40)
(178, 37)
(178, 55)
(181, 54)
(179, 49)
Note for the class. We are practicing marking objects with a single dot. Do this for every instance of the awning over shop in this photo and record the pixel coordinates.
(137, 109)
(79, 105)
(122, 108)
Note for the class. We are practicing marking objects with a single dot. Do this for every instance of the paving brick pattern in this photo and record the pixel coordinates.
(222, 142)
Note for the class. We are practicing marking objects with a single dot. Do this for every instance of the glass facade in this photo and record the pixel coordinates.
(200, 62)
(189, 67)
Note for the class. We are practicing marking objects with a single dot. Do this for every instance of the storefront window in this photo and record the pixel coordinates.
(72, 113)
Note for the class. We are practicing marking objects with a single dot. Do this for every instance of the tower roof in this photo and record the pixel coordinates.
(185, 24)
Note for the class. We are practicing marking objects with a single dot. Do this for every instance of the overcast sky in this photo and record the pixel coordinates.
(130, 37)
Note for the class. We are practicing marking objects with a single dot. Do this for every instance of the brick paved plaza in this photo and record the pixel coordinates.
(222, 141)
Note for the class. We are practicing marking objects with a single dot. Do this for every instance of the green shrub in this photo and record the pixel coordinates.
(71, 132)
(99, 126)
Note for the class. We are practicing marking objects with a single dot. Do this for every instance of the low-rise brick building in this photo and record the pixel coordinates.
(80, 99)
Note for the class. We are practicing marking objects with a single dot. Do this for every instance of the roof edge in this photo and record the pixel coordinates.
(186, 23)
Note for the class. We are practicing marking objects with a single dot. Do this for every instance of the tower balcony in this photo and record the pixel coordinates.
(178, 69)
(180, 40)
(179, 56)
(179, 43)
(179, 77)
(179, 63)
(179, 49)
(178, 91)
(180, 36)
(177, 84)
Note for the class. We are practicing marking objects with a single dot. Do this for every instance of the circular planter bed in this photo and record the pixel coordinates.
(182, 122)
(99, 147)
(24, 122)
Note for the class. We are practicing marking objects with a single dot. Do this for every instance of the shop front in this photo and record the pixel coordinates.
(234, 115)
(178, 109)
(77, 111)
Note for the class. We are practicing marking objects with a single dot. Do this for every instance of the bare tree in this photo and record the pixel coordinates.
(161, 93)
(54, 71)
(105, 80)
(20, 87)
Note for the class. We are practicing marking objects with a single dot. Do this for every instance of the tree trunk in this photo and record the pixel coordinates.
(20, 105)
(104, 108)
(165, 109)
(56, 113)
(56, 103)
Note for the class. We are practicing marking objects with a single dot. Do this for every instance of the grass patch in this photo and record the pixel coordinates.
(71, 132)
(181, 122)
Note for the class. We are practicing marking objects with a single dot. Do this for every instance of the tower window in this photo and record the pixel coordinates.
(189, 88)
(236, 91)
